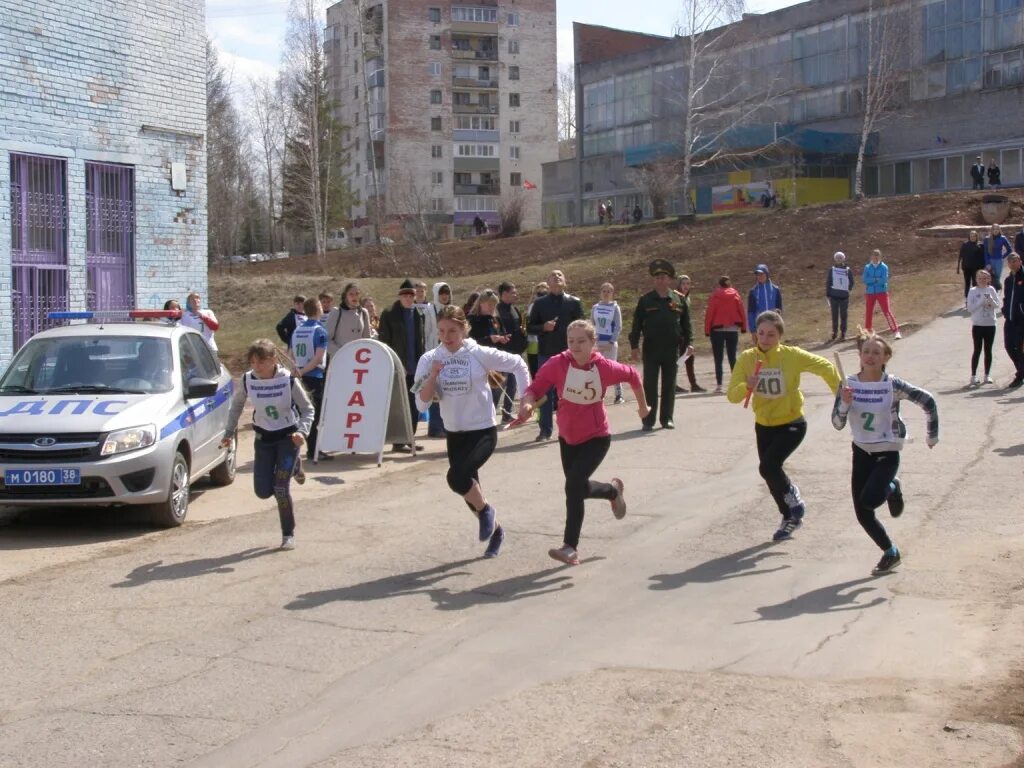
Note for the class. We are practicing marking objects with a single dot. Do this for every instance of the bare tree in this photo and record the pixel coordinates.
(315, 191)
(226, 162)
(265, 106)
(885, 46)
(658, 180)
(419, 222)
(566, 112)
(511, 211)
(716, 97)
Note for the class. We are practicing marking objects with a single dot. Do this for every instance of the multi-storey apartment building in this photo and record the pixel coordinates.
(450, 109)
(960, 94)
(102, 158)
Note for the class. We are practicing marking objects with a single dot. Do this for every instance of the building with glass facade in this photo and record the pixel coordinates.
(798, 76)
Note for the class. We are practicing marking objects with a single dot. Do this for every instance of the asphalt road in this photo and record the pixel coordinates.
(685, 637)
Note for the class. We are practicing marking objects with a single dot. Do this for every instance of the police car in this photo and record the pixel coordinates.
(114, 413)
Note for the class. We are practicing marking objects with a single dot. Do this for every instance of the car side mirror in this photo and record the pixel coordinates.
(198, 387)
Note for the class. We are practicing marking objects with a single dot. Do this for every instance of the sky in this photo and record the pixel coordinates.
(248, 33)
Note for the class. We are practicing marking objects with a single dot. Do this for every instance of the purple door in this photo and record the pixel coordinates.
(39, 253)
(110, 236)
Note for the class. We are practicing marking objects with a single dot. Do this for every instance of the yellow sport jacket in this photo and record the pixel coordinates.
(777, 398)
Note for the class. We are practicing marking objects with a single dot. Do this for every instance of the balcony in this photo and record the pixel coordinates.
(473, 55)
(477, 189)
(472, 82)
(475, 109)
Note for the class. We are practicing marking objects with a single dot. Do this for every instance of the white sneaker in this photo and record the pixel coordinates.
(288, 542)
(718, 389)
(619, 502)
(974, 381)
(897, 335)
(988, 379)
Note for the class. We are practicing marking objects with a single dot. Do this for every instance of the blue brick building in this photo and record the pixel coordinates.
(102, 157)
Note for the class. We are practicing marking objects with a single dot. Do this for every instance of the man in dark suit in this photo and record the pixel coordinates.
(978, 174)
(402, 329)
(549, 321)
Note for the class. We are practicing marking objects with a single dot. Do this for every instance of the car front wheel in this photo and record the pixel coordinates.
(172, 512)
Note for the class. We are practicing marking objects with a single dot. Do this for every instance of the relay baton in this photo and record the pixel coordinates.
(517, 422)
(839, 367)
(750, 390)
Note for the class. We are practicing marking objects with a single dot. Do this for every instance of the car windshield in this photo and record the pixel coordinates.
(88, 364)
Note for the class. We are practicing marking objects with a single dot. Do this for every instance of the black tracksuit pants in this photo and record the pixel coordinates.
(667, 368)
(579, 462)
(872, 474)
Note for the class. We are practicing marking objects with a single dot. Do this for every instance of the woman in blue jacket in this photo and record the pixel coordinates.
(876, 290)
(996, 248)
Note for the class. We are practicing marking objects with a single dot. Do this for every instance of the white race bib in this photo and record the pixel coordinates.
(870, 417)
(770, 384)
(840, 279)
(582, 387)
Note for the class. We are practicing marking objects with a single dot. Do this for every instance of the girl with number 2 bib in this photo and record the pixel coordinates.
(869, 402)
(771, 372)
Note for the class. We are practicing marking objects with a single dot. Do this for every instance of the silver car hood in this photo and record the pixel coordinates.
(71, 413)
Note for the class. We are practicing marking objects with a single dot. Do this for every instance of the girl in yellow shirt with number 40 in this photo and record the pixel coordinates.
(771, 373)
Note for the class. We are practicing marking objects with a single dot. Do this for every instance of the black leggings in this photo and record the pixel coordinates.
(983, 335)
(467, 452)
(579, 462)
(870, 484)
(969, 279)
(774, 446)
(723, 343)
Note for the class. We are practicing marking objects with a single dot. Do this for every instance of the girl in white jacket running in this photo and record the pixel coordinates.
(456, 373)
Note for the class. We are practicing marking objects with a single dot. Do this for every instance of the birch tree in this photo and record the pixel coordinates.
(885, 45)
(265, 107)
(566, 112)
(715, 96)
(315, 191)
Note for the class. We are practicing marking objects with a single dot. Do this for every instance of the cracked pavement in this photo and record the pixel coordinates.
(685, 638)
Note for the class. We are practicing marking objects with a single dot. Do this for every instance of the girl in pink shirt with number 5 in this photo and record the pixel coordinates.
(580, 376)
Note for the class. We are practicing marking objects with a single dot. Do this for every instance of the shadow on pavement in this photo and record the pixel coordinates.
(48, 527)
(731, 566)
(187, 569)
(425, 583)
(1013, 450)
(831, 599)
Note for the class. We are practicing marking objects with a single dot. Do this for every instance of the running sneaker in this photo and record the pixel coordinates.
(795, 503)
(619, 400)
(895, 500)
(497, 539)
(897, 335)
(785, 530)
(300, 475)
(974, 381)
(288, 542)
(619, 502)
(486, 522)
(565, 554)
(988, 379)
(886, 564)
(718, 389)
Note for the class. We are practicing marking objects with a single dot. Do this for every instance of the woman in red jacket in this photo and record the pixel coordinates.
(581, 375)
(724, 320)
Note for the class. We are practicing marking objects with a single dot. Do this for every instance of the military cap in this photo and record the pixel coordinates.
(661, 267)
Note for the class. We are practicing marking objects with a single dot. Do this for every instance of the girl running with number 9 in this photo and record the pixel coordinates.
(771, 370)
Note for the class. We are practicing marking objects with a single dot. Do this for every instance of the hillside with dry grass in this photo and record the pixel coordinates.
(797, 244)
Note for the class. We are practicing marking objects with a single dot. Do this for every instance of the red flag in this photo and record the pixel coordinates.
(528, 185)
